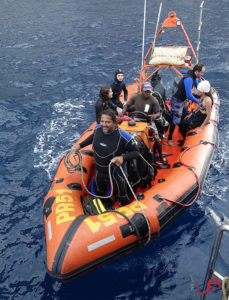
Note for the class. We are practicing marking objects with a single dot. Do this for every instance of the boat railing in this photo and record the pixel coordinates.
(212, 262)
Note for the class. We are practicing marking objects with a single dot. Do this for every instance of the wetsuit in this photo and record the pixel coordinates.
(102, 105)
(196, 119)
(117, 87)
(159, 88)
(179, 106)
(106, 146)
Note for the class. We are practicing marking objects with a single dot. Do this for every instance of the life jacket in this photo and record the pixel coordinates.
(180, 93)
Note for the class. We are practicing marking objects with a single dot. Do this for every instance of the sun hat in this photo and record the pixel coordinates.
(146, 86)
(204, 86)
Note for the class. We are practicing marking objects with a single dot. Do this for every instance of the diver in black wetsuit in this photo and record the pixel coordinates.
(110, 144)
(117, 87)
(159, 90)
(179, 105)
(105, 102)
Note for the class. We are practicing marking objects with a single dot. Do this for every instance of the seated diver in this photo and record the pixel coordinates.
(105, 102)
(110, 144)
(149, 106)
(201, 113)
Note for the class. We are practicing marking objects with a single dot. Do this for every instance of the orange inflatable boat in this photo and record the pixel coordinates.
(80, 233)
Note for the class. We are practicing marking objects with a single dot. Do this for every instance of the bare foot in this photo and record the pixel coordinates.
(170, 143)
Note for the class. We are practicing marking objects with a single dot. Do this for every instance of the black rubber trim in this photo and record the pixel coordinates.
(78, 168)
(162, 207)
(47, 209)
(60, 254)
(161, 180)
(177, 165)
(191, 133)
(158, 197)
(131, 223)
(169, 214)
(59, 180)
(163, 166)
(204, 142)
(184, 148)
(75, 186)
(88, 152)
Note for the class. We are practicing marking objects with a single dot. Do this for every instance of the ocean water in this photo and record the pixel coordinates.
(54, 57)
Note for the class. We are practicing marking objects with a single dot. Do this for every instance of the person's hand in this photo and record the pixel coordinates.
(119, 111)
(188, 117)
(117, 160)
(152, 117)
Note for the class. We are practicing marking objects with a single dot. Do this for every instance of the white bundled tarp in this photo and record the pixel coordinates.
(168, 56)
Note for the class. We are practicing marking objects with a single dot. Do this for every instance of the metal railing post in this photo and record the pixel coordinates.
(215, 250)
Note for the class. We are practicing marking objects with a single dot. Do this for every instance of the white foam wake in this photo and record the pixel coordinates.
(58, 134)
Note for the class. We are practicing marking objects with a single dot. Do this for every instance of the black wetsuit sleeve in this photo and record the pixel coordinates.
(87, 141)
(111, 104)
(131, 150)
(125, 92)
(98, 110)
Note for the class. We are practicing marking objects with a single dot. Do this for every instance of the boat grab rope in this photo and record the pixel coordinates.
(214, 123)
(192, 170)
(74, 168)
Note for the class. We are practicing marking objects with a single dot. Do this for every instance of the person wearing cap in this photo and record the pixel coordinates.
(148, 105)
(179, 105)
(117, 87)
(201, 114)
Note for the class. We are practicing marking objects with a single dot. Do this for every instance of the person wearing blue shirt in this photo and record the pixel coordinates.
(179, 105)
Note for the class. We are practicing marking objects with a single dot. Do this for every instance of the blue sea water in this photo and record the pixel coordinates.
(54, 57)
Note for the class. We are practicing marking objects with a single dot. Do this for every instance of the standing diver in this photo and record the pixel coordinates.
(118, 86)
(179, 105)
